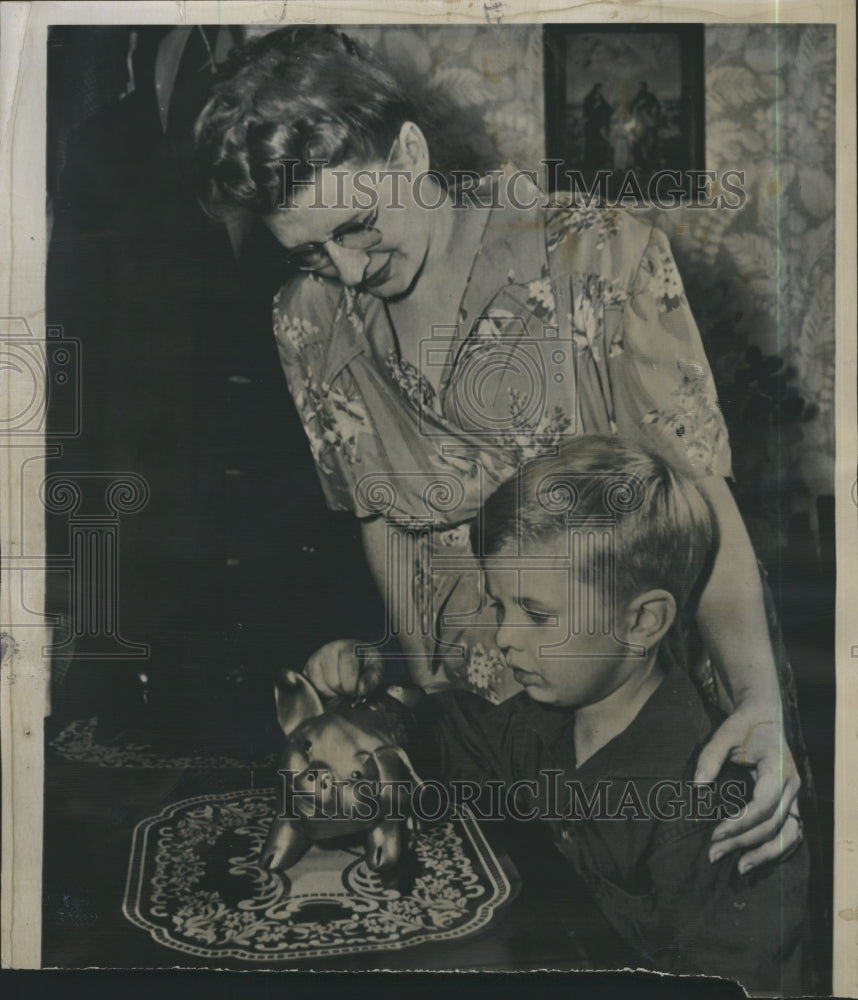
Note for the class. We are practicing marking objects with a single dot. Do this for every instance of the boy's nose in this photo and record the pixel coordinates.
(350, 264)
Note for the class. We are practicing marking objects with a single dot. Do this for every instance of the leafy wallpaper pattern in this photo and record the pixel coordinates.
(763, 276)
(491, 76)
(760, 277)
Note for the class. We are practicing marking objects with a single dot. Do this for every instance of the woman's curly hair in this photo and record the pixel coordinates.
(295, 95)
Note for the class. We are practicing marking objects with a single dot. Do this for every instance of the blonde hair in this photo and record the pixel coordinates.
(658, 525)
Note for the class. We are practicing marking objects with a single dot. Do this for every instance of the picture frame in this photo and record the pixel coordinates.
(633, 114)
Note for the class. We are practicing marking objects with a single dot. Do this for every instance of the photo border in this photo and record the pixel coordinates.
(23, 688)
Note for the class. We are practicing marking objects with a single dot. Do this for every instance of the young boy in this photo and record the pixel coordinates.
(588, 557)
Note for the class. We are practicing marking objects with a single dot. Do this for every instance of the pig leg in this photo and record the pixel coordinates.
(286, 843)
(384, 845)
(386, 854)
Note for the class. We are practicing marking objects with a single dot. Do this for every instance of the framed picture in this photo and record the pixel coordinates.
(623, 104)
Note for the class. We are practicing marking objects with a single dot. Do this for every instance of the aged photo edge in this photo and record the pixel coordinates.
(23, 676)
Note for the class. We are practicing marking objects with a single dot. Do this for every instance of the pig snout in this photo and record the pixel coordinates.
(316, 779)
(318, 783)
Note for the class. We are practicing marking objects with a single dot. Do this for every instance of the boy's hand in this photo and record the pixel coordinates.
(337, 669)
(771, 825)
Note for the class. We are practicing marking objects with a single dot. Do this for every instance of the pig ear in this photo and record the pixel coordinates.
(393, 765)
(296, 700)
(407, 694)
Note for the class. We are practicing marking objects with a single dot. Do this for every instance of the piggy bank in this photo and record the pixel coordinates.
(338, 774)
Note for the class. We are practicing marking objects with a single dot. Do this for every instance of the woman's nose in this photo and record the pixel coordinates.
(350, 264)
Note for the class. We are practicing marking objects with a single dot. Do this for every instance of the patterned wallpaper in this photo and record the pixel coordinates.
(763, 276)
(490, 76)
(759, 277)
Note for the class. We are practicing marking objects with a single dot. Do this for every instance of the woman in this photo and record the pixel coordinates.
(435, 339)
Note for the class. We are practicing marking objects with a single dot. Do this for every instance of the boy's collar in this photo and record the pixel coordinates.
(672, 722)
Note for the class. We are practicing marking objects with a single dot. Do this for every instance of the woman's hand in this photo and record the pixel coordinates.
(770, 826)
(337, 668)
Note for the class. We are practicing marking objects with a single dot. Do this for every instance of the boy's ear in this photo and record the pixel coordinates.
(412, 152)
(649, 616)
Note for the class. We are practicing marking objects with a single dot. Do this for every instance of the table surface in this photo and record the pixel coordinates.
(90, 815)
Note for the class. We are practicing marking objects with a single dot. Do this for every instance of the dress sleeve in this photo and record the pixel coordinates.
(305, 320)
(663, 391)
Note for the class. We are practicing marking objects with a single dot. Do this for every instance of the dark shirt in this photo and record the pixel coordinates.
(647, 869)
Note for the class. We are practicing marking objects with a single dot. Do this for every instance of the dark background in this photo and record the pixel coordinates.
(234, 565)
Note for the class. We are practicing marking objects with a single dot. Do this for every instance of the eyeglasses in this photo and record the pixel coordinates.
(360, 235)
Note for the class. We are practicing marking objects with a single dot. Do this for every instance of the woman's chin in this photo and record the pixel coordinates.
(385, 291)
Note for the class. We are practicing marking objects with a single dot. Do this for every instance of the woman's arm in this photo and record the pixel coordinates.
(732, 620)
(389, 555)
(336, 668)
(731, 612)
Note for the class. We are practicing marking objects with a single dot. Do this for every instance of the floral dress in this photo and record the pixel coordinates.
(573, 321)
